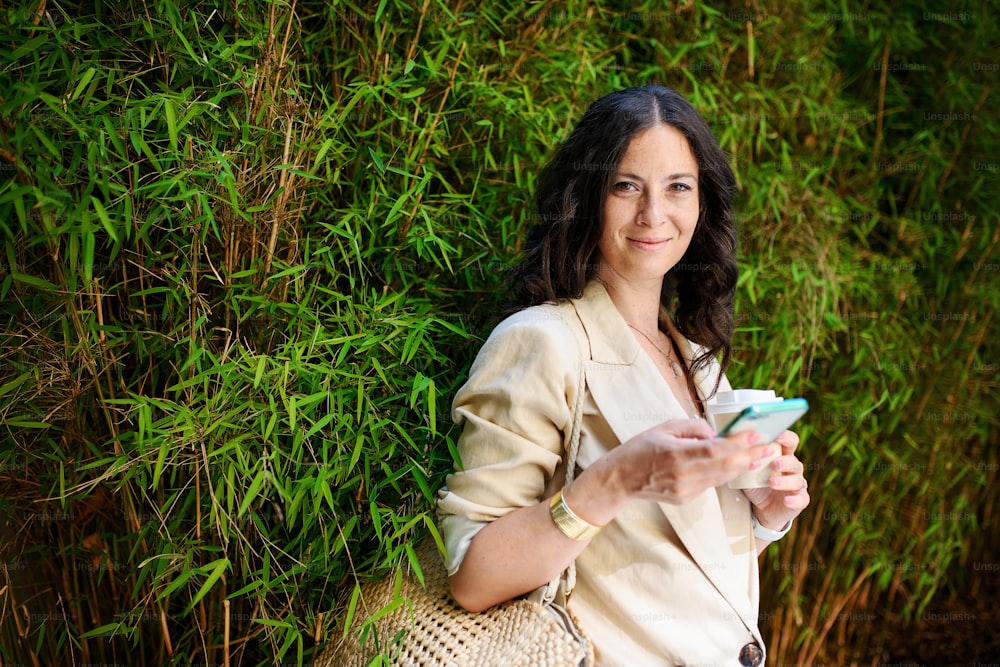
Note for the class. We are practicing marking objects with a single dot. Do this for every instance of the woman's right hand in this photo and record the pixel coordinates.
(677, 460)
(672, 463)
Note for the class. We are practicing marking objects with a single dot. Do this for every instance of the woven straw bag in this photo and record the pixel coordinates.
(517, 633)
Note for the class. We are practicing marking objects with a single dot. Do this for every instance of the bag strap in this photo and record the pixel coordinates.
(568, 577)
(573, 448)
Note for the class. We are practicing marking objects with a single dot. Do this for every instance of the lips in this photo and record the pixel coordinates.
(650, 243)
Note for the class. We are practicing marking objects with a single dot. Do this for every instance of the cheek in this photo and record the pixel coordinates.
(616, 216)
(614, 208)
(693, 214)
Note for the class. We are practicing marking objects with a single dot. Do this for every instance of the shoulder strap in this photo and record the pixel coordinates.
(573, 442)
(568, 577)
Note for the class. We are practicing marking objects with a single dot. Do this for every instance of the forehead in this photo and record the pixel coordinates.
(661, 147)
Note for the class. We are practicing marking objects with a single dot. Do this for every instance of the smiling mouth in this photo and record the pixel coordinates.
(649, 243)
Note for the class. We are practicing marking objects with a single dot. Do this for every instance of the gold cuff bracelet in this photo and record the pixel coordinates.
(569, 523)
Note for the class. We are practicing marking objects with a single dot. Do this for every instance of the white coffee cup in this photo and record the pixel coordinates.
(724, 409)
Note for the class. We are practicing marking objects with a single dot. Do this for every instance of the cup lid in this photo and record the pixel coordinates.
(748, 396)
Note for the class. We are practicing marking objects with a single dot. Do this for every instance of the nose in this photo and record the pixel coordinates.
(653, 212)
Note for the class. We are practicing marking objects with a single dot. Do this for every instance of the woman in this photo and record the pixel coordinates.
(635, 255)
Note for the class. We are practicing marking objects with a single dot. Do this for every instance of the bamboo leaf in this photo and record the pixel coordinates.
(319, 425)
(106, 630)
(255, 488)
(171, 115)
(218, 568)
(272, 623)
(16, 383)
(34, 281)
(259, 373)
(161, 459)
(17, 422)
(181, 579)
(102, 215)
(380, 10)
(28, 47)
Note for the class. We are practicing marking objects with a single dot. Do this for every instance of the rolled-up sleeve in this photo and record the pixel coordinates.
(514, 408)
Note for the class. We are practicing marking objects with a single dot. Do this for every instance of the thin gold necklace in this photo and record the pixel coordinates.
(675, 368)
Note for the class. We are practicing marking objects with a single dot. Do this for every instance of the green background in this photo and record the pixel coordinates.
(249, 252)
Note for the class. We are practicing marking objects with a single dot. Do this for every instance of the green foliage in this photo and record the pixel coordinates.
(248, 250)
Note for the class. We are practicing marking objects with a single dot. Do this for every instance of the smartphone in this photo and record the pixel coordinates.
(768, 419)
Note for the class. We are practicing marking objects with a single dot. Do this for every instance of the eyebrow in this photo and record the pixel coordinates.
(671, 177)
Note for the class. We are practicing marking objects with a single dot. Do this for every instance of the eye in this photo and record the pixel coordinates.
(681, 187)
(625, 186)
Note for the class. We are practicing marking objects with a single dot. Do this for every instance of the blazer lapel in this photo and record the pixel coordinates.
(616, 370)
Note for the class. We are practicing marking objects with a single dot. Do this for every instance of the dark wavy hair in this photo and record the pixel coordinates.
(561, 253)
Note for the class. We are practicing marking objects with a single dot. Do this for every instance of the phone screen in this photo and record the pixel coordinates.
(768, 419)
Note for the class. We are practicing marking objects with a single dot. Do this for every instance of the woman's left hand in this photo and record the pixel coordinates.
(786, 496)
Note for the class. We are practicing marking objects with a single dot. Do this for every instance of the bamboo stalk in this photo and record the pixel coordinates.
(429, 133)
(835, 153)
(39, 12)
(959, 149)
(279, 206)
(284, 47)
(167, 644)
(880, 117)
(225, 633)
(810, 656)
(99, 303)
(416, 36)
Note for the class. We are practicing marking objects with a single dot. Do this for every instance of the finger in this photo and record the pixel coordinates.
(743, 451)
(705, 477)
(742, 440)
(740, 461)
(789, 441)
(798, 501)
(706, 460)
(764, 455)
(788, 483)
(714, 471)
(717, 454)
(688, 428)
(788, 465)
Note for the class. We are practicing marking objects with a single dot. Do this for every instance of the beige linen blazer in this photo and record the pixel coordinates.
(661, 584)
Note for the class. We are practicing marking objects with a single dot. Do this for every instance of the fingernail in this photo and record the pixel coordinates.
(754, 437)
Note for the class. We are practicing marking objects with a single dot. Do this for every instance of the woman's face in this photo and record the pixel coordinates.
(652, 209)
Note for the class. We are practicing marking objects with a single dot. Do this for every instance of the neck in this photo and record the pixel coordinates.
(639, 305)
